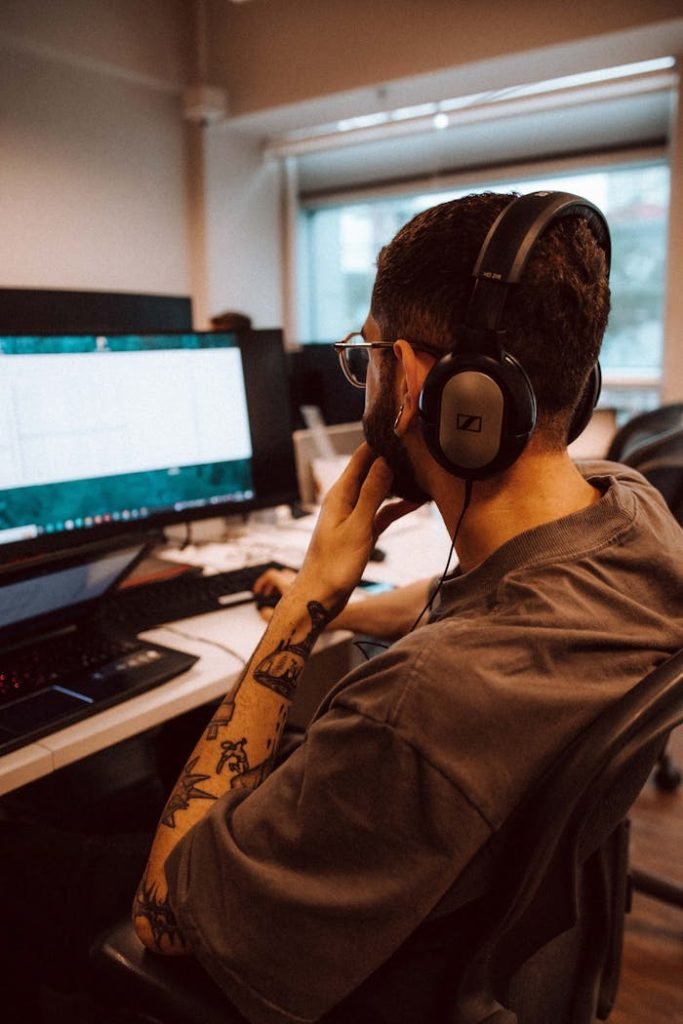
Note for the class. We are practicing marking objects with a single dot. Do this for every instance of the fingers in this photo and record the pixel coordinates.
(274, 581)
(389, 513)
(346, 489)
(376, 488)
(364, 484)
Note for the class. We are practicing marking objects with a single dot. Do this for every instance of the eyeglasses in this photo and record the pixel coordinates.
(354, 355)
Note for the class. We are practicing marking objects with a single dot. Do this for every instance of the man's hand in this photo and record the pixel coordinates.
(352, 517)
(273, 582)
(350, 521)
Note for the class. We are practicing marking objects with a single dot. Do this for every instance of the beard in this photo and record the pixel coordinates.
(378, 427)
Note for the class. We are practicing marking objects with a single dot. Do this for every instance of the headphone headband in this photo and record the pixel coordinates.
(509, 243)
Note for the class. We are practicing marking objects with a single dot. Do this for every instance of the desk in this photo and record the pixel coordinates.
(224, 640)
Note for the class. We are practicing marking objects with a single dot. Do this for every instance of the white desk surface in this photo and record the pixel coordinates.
(224, 640)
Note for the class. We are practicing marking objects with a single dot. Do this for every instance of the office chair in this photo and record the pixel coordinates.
(543, 942)
(644, 428)
(652, 443)
(660, 460)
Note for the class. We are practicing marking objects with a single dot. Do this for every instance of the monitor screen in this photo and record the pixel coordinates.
(103, 433)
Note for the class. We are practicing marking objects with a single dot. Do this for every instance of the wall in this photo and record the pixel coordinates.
(143, 39)
(92, 176)
(104, 185)
(271, 53)
(242, 228)
(92, 188)
(672, 370)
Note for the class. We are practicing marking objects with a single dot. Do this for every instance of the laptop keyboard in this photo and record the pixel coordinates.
(64, 661)
(53, 683)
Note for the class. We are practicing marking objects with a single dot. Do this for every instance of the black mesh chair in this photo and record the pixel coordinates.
(642, 429)
(540, 945)
(660, 460)
(652, 443)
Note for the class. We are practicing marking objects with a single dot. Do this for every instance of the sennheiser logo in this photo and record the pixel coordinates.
(469, 423)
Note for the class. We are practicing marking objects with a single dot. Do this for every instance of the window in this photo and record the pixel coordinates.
(340, 243)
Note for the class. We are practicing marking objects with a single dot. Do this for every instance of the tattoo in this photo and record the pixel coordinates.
(222, 717)
(251, 778)
(234, 756)
(159, 914)
(186, 790)
(280, 670)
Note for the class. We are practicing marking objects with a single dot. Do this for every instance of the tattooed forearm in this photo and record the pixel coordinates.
(319, 618)
(234, 755)
(237, 750)
(187, 788)
(157, 912)
(223, 717)
(280, 670)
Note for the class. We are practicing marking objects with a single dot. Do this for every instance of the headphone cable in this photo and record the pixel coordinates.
(444, 574)
(360, 644)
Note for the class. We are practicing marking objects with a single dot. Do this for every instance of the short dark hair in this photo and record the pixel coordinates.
(555, 317)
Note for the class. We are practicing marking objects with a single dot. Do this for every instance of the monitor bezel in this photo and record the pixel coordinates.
(262, 350)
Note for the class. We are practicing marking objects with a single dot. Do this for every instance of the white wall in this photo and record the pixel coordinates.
(92, 180)
(242, 228)
(93, 191)
(103, 183)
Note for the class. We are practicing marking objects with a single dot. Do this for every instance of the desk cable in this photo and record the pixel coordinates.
(205, 640)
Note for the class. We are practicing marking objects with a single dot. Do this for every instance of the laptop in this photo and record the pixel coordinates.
(60, 660)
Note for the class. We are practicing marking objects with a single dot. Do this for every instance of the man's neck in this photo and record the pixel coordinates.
(539, 488)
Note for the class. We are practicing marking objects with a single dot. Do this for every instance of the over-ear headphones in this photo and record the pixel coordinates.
(477, 405)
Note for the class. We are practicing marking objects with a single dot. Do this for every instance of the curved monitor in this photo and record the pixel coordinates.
(101, 434)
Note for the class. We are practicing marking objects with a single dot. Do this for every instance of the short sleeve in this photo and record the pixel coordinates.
(291, 895)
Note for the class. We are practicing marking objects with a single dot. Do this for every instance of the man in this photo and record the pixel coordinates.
(300, 886)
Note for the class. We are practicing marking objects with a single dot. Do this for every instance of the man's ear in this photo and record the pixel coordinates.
(413, 368)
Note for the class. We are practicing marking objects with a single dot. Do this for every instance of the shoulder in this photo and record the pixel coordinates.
(629, 488)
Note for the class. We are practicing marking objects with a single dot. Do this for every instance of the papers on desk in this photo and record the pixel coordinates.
(260, 544)
(415, 547)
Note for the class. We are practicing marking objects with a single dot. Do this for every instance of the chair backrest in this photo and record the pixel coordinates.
(561, 854)
(661, 462)
(642, 429)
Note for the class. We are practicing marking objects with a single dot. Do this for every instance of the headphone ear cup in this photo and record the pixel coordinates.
(587, 403)
(477, 413)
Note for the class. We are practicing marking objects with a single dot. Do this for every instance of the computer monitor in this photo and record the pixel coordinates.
(103, 434)
(317, 379)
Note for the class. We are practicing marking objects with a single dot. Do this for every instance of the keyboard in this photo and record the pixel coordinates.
(145, 605)
(59, 680)
(58, 663)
